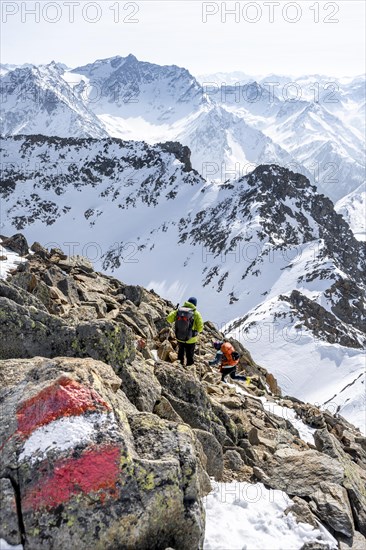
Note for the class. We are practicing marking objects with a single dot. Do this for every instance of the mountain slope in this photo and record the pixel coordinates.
(319, 133)
(101, 425)
(266, 246)
(353, 209)
(38, 100)
(225, 147)
(324, 144)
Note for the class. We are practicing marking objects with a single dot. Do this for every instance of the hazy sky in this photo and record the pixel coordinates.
(261, 37)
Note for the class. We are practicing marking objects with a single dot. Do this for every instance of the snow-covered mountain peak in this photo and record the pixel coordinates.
(128, 88)
(35, 98)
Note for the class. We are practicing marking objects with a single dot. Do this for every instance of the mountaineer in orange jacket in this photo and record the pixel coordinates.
(228, 359)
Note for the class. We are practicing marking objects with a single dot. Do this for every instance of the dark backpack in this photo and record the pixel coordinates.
(184, 323)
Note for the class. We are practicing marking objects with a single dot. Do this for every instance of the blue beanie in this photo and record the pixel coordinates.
(192, 300)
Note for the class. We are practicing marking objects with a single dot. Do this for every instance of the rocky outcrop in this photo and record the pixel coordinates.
(129, 437)
(181, 152)
(17, 243)
(354, 475)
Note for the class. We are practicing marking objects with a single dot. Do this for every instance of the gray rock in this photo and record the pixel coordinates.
(17, 243)
(9, 525)
(140, 384)
(188, 398)
(357, 542)
(129, 480)
(134, 294)
(29, 332)
(76, 262)
(164, 409)
(333, 508)
(354, 477)
(300, 473)
(257, 437)
(39, 250)
(302, 512)
(316, 546)
(233, 460)
(20, 296)
(250, 456)
(213, 452)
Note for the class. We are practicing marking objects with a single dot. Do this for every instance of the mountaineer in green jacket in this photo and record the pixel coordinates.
(188, 323)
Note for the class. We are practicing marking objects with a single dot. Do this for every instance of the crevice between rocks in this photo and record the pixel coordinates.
(18, 502)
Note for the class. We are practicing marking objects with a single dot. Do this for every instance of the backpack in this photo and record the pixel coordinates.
(184, 323)
(231, 357)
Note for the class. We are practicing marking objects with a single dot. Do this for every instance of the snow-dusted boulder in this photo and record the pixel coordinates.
(89, 470)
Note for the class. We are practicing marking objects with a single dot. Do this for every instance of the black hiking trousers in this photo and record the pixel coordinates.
(232, 372)
(186, 350)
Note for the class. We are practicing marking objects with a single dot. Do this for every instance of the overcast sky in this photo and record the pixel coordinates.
(261, 37)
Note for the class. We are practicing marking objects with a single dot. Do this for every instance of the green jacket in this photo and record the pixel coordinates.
(197, 321)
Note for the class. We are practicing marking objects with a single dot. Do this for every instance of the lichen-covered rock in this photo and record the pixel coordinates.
(29, 331)
(9, 524)
(354, 477)
(140, 384)
(92, 471)
(213, 452)
(301, 472)
(189, 399)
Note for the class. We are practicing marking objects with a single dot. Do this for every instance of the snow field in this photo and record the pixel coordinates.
(245, 516)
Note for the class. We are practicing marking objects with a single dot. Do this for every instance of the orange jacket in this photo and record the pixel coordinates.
(227, 360)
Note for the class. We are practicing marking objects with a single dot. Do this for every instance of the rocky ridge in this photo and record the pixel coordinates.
(271, 250)
(82, 353)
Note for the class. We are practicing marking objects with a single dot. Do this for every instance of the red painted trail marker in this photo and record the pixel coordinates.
(65, 397)
(95, 470)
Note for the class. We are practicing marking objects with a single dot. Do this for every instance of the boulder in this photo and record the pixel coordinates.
(134, 294)
(250, 456)
(357, 542)
(164, 350)
(273, 385)
(302, 512)
(257, 437)
(354, 477)
(20, 296)
(164, 409)
(140, 384)
(213, 452)
(188, 398)
(333, 508)
(79, 263)
(29, 331)
(17, 243)
(91, 471)
(233, 460)
(301, 472)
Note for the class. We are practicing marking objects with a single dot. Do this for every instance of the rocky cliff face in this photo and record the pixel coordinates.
(105, 436)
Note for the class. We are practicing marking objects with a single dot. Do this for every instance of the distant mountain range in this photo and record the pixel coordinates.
(230, 128)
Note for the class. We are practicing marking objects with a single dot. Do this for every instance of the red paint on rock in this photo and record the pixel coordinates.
(94, 471)
(65, 397)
